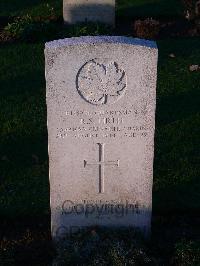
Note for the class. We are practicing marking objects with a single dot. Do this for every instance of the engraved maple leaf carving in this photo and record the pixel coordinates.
(98, 83)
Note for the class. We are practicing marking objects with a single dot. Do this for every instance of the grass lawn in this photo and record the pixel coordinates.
(125, 8)
(24, 174)
(149, 8)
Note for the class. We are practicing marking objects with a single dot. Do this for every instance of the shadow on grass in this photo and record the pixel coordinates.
(24, 182)
(185, 48)
(27, 83)
(24, 150)
(181, 199)
(153, 8)
(22, 70)
(10, 6)
(26, 241)
(22, 7)
(173, 108)
(177, 160)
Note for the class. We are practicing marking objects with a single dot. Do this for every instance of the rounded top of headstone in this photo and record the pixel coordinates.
(99, 39)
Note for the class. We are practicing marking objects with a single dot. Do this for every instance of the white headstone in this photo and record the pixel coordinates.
(101, 97)
(89, 10)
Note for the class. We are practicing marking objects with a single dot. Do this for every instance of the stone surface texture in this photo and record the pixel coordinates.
(89, 10)
(101, 100)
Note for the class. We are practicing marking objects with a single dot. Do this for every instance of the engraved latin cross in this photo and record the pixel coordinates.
(101, 163)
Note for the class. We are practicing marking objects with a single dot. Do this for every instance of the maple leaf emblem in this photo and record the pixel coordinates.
(101, 83)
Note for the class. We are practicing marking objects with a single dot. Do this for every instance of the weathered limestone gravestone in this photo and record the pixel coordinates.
(89, 10)
(101, 96)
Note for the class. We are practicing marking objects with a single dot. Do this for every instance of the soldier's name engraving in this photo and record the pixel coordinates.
(104, 120)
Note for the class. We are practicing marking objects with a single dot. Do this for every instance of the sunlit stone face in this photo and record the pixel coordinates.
(101, 94)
